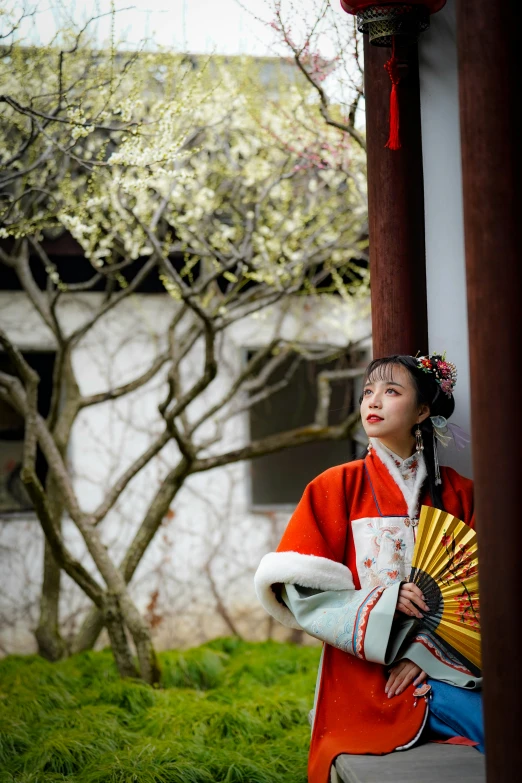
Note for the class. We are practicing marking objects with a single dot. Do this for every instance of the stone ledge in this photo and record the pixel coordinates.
(429, 763)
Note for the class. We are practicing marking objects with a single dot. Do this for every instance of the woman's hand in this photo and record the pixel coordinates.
(401, 675)
(410, 600)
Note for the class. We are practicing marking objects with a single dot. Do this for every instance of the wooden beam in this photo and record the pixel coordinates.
(488, 46)
(396, 207)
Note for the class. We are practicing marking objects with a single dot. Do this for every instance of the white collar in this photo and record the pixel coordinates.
(411, 494)
(404, 463)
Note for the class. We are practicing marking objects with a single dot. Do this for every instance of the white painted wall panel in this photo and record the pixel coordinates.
(447, 312)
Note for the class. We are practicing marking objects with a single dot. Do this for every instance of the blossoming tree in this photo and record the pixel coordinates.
(236, 204)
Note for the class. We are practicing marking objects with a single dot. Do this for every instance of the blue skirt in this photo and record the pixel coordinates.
(454, 712)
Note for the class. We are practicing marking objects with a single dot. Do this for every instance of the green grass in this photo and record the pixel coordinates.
(227, 712)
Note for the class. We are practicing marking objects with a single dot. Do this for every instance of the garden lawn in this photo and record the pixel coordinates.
(227, 711)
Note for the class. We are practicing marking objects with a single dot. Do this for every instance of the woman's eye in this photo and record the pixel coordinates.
(392, 390)
(366, 392)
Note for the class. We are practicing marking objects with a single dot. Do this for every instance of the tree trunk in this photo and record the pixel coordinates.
(149, 666)
(50, 643)
(93, 624)
(118, 638)
(48, 637)
(89, 632)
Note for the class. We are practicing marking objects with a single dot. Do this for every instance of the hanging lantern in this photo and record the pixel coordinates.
(383, 21)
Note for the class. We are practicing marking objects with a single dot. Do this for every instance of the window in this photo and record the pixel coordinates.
(72, 266)
(279, 479)
(13, 495)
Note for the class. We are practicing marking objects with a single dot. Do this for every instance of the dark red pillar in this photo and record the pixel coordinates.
(490, 96)
(396, 208)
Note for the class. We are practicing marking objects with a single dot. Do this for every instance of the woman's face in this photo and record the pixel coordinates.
(389, 408)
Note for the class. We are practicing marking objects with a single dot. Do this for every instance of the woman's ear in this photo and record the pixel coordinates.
(424, 412)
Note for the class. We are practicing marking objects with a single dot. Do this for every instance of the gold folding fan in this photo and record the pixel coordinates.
(445, 568)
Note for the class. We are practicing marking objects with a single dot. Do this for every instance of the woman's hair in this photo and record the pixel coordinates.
(430, 393)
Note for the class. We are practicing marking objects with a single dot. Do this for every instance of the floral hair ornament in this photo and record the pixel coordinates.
(445, 373)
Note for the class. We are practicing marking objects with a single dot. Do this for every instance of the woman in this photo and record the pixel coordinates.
(341, 570)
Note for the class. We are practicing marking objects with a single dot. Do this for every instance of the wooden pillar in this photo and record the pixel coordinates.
(396, 207)
(488, 45)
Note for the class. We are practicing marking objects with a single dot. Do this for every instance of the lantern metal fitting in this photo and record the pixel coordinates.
(383, 22)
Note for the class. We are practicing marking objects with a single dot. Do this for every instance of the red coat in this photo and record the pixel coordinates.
(352, 713)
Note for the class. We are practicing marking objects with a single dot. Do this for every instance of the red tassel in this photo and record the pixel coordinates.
(394, 142)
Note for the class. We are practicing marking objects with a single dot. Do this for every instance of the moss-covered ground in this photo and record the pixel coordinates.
(227, 711)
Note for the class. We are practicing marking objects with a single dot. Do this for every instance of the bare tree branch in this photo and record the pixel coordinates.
(342, 126)
(22, 268)
(19, 400)
(71, 566)
(126, 388)
(76, 336)
(278, 442)
(324, 390)
(112, 496)
(33, 113)
(154, 515)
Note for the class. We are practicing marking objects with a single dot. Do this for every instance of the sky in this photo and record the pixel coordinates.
(223, 26)
(198, 26)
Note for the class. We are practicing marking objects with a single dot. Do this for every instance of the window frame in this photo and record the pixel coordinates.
(26, 514)
(252, 506)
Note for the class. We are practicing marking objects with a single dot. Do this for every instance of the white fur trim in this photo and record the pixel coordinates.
(411, 496)
(414, 740)
(294, 568)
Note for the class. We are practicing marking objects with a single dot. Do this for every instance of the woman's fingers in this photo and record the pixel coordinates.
(408, 677)
(419, 597)
(420, 679)
(393, 685)
(421, 603)
(394, 674)
(413, 594)
(404, 677)
(405, 605)
(389, 684)
(413, 589)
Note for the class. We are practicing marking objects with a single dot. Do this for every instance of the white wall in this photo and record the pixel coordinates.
(211, 524)
(447, 312)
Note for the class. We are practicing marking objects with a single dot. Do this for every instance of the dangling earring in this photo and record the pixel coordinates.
(419, 445)
(369, 447)
(438, 479)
